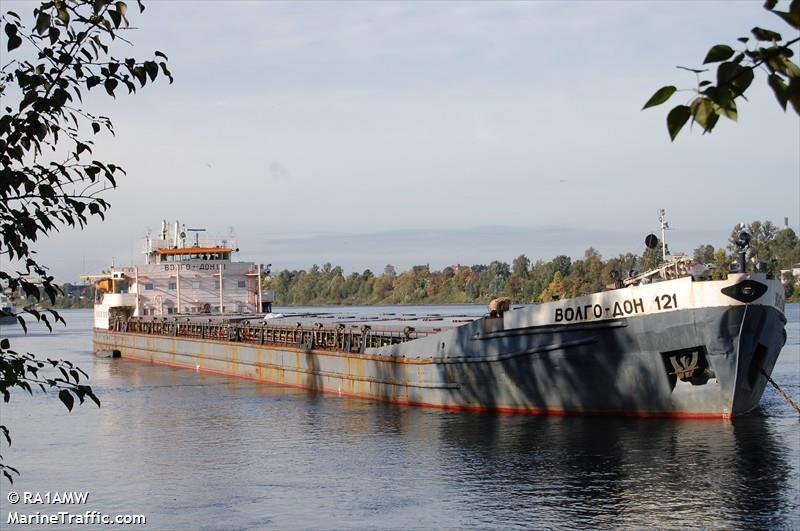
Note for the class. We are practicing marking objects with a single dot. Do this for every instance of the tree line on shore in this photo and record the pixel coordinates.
(522, 280)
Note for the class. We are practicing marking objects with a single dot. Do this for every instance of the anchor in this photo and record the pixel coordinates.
(684, 365)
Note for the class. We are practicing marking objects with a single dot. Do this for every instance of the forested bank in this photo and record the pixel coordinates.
(522, 280)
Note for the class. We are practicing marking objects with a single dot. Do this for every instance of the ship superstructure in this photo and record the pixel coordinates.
(179, 278)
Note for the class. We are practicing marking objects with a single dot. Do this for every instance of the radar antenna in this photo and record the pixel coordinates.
(196, 235)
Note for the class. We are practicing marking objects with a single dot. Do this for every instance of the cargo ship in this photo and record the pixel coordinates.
(667, 342)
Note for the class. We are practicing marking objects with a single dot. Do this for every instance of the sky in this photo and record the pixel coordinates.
(367, 133)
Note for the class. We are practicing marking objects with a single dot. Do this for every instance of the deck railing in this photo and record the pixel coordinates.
(308, 337)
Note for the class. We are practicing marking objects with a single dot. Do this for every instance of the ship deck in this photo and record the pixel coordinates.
(351, 330)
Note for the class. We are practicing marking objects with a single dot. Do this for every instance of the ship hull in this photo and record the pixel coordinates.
(698, 363)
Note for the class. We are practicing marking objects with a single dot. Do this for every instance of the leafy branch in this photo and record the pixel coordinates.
(25, 372)
(734, 75)
(49, 176)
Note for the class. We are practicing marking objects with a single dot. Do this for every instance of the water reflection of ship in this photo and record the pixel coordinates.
(622, 472)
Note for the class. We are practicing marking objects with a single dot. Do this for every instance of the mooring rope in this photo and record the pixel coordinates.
(781, 391)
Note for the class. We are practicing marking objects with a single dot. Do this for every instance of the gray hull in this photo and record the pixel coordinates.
(688, 363)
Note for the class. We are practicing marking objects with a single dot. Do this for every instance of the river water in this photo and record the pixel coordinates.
(196, 451)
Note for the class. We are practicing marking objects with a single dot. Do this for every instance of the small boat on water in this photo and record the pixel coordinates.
(667, 342)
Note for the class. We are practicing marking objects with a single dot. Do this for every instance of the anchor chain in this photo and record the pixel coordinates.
(781, 391)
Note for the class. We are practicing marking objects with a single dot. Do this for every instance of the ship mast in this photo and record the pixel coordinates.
(662, 218)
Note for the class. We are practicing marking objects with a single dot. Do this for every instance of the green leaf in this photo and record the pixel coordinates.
(780, 89)
(702, 109)
(115, 17)
(152, 69)
(792, 17)
(734, 76)
(676, 119)
(95, 127)
(63, 15)
(726, 72)
(11, 29)
(765, 34)
(66, 398)
(742, 81)
(712, 121)
(14, 40)
(42, 23)
(139, 73)
(718, 53)
(110, 84)
(792, 69)
(727, 106)
(661, 95)
(94, 398)
(166, 71)
(794, 93)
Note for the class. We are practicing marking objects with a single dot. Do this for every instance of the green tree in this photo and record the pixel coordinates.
(652, 258)
(493, 279)
(554, 290)
(49, 176)
(789, 285)
(563, 264)
(623, 265)
(704, 254)
(520, 266)
(712, 98)
(722, 264)
(761, 235)
(785, 248)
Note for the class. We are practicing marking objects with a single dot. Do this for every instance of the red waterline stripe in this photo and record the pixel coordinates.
(452, 407)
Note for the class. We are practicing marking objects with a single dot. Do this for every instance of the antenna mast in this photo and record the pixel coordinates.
(662, 218)
(196, 235)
